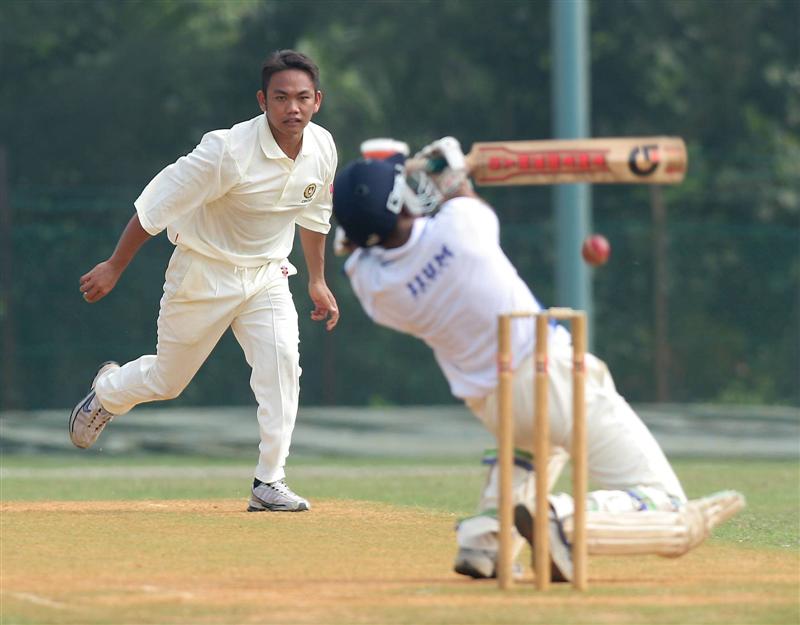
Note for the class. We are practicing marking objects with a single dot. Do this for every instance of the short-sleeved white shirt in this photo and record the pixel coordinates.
(447, 285)
(237, 197)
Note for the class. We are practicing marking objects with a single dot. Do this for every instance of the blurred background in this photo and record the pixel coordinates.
(700, 302)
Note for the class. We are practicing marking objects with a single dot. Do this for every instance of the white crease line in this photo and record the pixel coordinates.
(28, 596)
(165, 592)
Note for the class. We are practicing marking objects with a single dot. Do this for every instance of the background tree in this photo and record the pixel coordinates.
(99, 96)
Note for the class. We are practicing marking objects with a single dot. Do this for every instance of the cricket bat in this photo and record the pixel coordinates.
(614, 160)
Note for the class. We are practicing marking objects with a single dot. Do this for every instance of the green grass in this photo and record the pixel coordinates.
(772, 488)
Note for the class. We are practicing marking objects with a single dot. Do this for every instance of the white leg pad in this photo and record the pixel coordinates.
(636, 499)
(523, 481)
(522, 486)
(481, 530)
(658, 532)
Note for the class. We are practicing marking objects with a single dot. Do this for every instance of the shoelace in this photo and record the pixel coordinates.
(283, 488)
(102, 416)
(105, 417)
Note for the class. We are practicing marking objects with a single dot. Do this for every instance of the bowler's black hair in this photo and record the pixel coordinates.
(288, 59)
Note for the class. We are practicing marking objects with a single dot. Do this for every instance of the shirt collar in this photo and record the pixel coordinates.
(417, 228)
(270, 146)
(383, 255)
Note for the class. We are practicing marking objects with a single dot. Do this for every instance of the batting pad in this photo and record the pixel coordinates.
(523, 484)
(658, 532)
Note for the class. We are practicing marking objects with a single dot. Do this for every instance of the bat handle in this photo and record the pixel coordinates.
(428, 165)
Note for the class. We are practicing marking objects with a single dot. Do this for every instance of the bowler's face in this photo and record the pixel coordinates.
(290, 102)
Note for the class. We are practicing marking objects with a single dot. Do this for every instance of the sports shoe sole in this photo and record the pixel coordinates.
(89, 396)
(469, 567)
(260, 506)
(74, 414)
(523, 520)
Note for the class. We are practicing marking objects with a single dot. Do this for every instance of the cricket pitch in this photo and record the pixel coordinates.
(208, 561)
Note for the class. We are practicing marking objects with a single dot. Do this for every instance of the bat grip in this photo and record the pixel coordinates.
(428, 165)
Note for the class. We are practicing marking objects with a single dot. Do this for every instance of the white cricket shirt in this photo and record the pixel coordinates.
(446, 285)
(237, 197)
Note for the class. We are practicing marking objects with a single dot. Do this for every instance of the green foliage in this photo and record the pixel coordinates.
(99, 96)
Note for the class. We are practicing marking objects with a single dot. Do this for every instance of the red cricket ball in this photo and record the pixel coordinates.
(596, 249)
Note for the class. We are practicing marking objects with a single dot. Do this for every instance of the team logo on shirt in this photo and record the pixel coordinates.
(309, 191)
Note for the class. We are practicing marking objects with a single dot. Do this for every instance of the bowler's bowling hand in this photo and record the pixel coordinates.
(324, 304)
(99, 281)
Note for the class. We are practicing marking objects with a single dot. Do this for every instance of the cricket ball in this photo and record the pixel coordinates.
(596, 249)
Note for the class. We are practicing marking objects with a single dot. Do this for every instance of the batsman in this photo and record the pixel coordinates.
(425, 259)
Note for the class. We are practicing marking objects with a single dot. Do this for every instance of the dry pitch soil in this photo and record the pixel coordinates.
(343, 563)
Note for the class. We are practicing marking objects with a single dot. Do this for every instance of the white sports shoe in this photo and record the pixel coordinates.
(475, 563)
(276, 497)
(481, 564)
(89, 417)
(560, 549)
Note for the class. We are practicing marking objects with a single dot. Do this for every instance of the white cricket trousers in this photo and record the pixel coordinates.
(622, 453)
(202, 298)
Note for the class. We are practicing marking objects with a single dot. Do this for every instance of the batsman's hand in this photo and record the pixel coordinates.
(446, 165)
(324, 304)
(99, 282)
(342, 246)
(446, 149)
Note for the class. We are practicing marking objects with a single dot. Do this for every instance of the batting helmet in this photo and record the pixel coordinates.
(361, 201)
(368, 195)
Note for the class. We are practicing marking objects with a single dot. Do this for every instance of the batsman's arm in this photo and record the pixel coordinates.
(342, 246)
(102, 278)
(325, 306)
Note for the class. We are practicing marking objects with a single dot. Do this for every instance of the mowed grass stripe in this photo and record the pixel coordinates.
(452, 489)
(157, 471)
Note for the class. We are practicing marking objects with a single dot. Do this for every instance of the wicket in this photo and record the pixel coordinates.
(505, 444)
